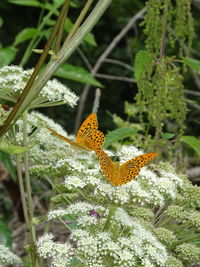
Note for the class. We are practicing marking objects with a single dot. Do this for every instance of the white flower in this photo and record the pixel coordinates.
(45, 245)
(128, 152)
(60, 253)
(53, 214)
(8, 257)
(13, 80)
(74, 182)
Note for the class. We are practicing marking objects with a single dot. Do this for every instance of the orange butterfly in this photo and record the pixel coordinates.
(88, 136)
(121, 174)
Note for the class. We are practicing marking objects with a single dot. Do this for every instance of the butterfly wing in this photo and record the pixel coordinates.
(131, 168)
(94, 141)
(107, 165)
(88, 135)
(63, 138)
(88, 126)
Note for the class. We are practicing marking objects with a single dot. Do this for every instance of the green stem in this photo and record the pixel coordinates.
(23, 199)
(67, 49)
(51, 205)
(26, 164)
(61, 29)
(57, 189)
(65, 224)
(80, 19)
(28, 187)
(112, 211)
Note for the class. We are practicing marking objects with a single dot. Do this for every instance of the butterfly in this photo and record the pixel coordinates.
(121, 174)
(88, 136)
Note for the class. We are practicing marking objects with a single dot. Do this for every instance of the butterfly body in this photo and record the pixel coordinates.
(120, 174)
(88, 136)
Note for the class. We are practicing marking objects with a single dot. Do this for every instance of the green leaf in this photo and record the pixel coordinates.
(26, 3)
(7, 162)
(5, 235)
(167, 135)
(77, 74)
(89, 38)
(74, 262)
(24, 35)
(7, 55)
(1, 21)
(193, 63)
(192, 141)
(11, 149)
(142, 58)
(118, 135)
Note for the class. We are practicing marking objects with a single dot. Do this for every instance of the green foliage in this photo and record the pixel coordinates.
(192, 63)
(77, 74)
(24, 35)
(7, 55)
(9, 148)
(160, 81)
(193, 142)
(141, 59)
(32, 3)
(7, 162)
(5, 234)
(161, 95)
(117, 135)
(1, 21)
(166, 18)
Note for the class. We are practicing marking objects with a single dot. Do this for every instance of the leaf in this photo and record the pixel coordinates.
(192, 141)
(89, 38)
(1, 21)
(11, 149)
(24, 35)
(117, 135)
(193, 63)
(74, 262)
(5, 235)
(26, 3)
(77, 74)
(5, 158)
(7, 55)
(167, 135)
(142, 58)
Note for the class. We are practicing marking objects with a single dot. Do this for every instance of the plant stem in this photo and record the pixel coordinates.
(51, 205)
(67, 49)
(28, 187)
(23, 199)
(80, 19)
(61, 29)
(112, 211)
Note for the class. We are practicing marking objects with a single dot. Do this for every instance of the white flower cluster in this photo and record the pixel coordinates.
(98, 246)
(13, 80)
(60, 253)
(7, 257)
